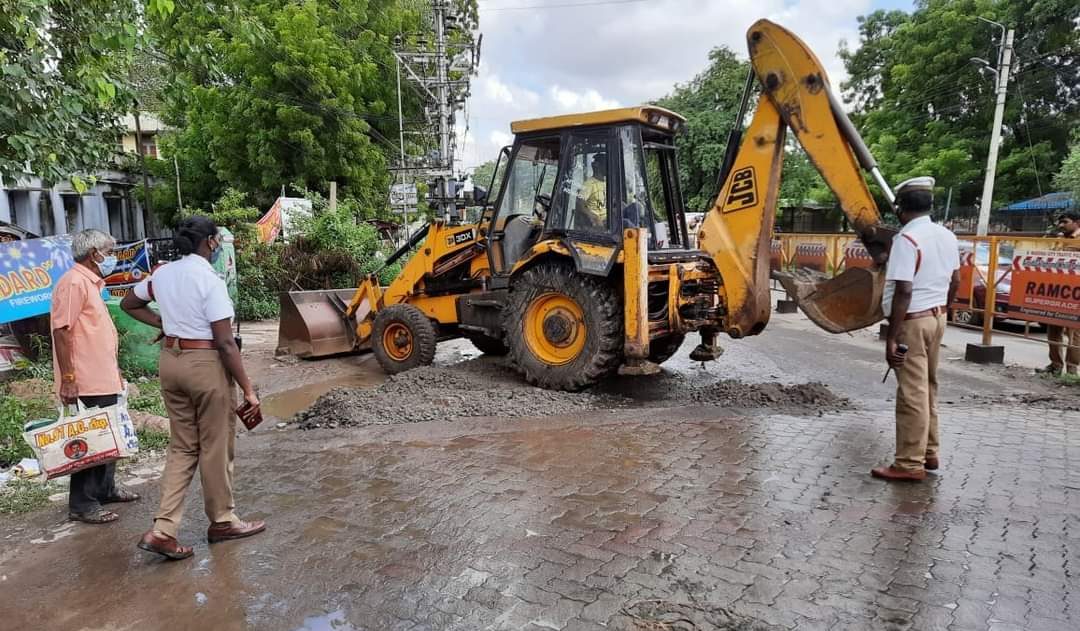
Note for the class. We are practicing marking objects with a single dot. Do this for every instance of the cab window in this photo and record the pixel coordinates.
(584, 196)
(530, 181)
(663, 194)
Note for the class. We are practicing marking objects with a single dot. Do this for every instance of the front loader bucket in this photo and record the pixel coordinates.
(313, 323)
(848, 302)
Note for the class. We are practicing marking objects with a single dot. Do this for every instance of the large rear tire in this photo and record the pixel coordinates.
(564, 329)
(663, 348)
(403, 338)
(488, 345)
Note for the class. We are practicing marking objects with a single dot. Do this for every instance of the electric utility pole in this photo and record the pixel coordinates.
(1005, 58)
(440, 70)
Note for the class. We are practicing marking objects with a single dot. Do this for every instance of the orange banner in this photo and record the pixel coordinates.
(269, 225)
(1046, 286)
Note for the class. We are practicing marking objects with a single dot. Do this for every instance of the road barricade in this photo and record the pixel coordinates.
(1046, 287)
(812, 256)
(1035, 280)
(856, 255)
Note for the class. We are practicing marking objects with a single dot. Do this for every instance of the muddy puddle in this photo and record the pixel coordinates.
(490, 387)
(288, 403)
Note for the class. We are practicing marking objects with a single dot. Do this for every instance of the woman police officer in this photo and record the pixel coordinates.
(199, 364)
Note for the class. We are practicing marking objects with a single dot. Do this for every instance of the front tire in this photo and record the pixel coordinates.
(403, 338)
(564, 329)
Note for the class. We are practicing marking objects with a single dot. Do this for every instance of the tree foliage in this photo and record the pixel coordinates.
(481, 176)
(272, 93)
(710, 103)
(1068, 177)
(925, 109)
(66, 70)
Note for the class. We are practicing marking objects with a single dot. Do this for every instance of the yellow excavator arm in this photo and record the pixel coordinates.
(737, 231)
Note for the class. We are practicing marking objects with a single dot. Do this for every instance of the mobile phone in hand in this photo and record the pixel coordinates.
(250, 415)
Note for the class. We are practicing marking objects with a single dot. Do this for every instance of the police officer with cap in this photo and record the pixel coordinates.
(921, 279)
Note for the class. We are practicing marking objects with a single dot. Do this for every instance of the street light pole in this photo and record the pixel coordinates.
(995, 135)
(401, 143)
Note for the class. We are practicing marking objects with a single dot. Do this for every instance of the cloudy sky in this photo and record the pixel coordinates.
(541, 57)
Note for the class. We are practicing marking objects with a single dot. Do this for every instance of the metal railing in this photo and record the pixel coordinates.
(1052, 262)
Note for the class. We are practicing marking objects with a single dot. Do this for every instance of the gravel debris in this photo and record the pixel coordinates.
(660, 615)
(490, 387)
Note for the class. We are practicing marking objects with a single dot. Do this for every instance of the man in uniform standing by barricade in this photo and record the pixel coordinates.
(920, 281)
(1064, 341)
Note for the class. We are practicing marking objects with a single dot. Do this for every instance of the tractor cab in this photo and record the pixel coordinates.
(580, 180)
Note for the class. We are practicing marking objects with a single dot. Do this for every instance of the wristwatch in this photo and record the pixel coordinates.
(69, 378)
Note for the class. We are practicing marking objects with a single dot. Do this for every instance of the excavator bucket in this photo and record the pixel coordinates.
(314, 324)
(848, 302)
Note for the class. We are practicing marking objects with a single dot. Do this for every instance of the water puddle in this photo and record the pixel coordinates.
(284, 405)
(334, 621)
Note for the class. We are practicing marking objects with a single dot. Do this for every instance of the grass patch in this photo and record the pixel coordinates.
(152, 439)
(23, 496)
(149, 399)
(1067, 379)
(14, 413)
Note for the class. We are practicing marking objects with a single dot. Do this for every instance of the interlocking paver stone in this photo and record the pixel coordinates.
(485, 525)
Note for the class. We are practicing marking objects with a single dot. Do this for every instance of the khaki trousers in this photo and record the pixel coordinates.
(916, 392)
(1071, 360)
(199, 396)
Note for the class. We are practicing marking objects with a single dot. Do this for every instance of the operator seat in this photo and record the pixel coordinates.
(518, 236)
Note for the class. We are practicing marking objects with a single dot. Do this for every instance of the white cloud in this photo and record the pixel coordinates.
(544, 62)
(571, 101)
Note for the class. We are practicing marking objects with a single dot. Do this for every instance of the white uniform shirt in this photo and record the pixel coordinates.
(926, 255)
(190, 295)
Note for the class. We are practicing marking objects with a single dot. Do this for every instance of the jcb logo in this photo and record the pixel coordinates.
(459, 238)
(743, 191)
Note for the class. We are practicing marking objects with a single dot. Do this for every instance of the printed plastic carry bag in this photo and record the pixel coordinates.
(84, 439)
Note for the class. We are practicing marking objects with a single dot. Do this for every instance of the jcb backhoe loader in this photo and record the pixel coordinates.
(580, 266)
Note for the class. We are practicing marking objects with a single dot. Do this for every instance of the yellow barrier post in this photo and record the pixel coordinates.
(991, 293)
(986, 353)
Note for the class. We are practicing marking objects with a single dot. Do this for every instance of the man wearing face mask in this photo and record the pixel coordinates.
(85, 363)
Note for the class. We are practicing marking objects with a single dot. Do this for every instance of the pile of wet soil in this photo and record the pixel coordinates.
(668, 389)
(660, 615)
(480, 387)
(490, 387)
(1068, 401)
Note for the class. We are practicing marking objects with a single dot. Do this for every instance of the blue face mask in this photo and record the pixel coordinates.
(106, 265)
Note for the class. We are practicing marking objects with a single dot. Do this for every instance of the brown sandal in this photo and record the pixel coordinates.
(166, 546)
(100, 516)
(121, 494)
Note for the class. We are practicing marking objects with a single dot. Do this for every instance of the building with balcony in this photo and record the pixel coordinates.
(109, 204)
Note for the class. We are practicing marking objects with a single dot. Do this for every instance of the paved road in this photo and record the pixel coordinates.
(566, 522)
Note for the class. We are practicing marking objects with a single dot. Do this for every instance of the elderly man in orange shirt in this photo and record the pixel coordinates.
(85, 363)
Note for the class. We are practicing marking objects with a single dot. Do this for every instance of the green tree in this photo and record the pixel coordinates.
(272, 93)
(710, 103)
(481, 175)
(800, 181)
(924, 108)
(1068, 177)
(66, 70)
